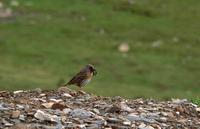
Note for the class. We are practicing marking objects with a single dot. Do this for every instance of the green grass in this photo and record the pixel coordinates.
(48, 41)
(196, 101)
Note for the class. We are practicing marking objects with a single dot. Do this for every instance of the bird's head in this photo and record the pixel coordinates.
(92, 69)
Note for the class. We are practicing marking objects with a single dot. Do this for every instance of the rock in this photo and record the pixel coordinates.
(126, 123)
(125, 107)
(198, 109)
(45, 116)
(96, 111)
(64, 90)
(38, 90)
(113, 120)
(142, 126)
(164, 114)
(155, 126)
(179, 109)
(6, 123)
(21, 126)
(19, 106)
(147, 127)
(48, 105)
(59, 106)
(133, 117)
(124, 47)
(178, 101)
(18, 91)
(42, 95)
(2, 107)
(81, 113)
(81, 126)
(114, 109)
(22, 117)
(66, 110)
(56, 100)
(67, 95)
(15, 114)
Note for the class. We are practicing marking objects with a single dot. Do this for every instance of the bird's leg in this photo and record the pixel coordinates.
(81, 91)
(80, 88)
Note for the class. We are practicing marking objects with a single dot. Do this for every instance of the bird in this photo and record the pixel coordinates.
(83, 77)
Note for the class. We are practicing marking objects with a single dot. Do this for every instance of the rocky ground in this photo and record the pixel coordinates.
(68, 109)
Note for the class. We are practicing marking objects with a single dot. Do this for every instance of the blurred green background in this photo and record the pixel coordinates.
(141, 48)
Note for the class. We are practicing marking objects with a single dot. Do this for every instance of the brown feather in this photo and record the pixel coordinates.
(78, 78)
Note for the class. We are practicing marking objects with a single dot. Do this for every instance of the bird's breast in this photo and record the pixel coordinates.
(85, 82)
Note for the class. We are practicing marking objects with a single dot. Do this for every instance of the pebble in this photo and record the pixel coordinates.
(142, 126)
(48, 105)
(15, 114)
(81, 113)
(113, 120)
(124, 47)
(56, 100)
(125, 107)
(198, 109)
(18, 91)
(96, 111)
(45, 116)
(67, 95)
(6, 123)
(147, 127)
(126, 123)
(66, 110)
(133, 117)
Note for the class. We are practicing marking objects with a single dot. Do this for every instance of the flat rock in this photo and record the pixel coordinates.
(15, 114)
(81, 113)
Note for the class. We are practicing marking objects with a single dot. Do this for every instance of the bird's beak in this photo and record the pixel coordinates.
(94, 72)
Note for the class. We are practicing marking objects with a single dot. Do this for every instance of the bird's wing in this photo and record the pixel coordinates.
(78, 78)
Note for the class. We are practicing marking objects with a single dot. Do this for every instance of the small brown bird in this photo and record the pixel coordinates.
(83, 77)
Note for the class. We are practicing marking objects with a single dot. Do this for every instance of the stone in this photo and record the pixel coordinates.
(6, 123)
(126, 123)
(18, 91)
(15, 114)
(133, 117)
(59, 106)
(66, 110)
(67, 95)
(125, 107)
(64, 89)
(38, 90)
(2, 107)
(48, 105)
(56, 100)
(19, 106)
(81, 113)
(22, 117)
(96, 111)
(179, 101)
(198, 109)
(113, 120)
(45, 116)
(147, 127)
(124, 47)
(142, 126)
